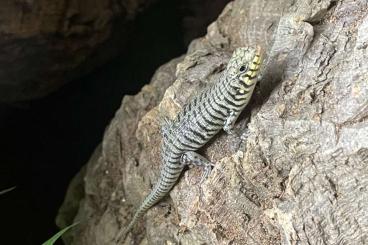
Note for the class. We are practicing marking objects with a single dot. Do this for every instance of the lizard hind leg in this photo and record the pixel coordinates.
(195, 159)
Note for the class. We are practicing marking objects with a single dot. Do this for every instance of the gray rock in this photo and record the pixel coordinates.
(44, 44)
(301, 175)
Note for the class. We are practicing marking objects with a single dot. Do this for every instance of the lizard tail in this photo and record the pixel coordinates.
(160, 190)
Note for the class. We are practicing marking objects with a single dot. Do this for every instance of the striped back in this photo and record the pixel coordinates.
(206, 114)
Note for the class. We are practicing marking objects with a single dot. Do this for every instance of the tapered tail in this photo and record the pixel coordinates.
(162, 187)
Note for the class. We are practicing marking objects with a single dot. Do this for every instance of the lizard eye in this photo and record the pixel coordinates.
(242, 68)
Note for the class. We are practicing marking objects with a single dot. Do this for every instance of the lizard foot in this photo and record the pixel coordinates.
(195, 159)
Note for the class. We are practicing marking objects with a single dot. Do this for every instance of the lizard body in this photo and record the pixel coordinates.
(215, 108)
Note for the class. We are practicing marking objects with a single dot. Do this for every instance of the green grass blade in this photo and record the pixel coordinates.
(53, 239)
(7, 190)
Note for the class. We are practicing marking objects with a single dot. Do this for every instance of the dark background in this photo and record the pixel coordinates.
(44, 143)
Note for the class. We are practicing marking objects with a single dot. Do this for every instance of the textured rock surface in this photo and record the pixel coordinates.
(44, 44)
(299, 178)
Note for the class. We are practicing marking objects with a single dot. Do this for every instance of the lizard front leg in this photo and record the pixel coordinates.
(230, 122)
(195, 159)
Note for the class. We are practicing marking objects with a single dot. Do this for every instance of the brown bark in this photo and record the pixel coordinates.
(300, 177)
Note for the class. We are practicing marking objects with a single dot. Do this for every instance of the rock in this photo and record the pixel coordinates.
(301, 174)
(44, 44)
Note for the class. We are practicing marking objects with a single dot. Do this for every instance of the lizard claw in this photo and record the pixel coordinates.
(206, 172)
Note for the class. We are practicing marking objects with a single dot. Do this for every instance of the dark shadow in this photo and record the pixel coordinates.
(44, 143)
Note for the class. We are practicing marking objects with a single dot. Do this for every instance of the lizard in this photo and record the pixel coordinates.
(216, 107)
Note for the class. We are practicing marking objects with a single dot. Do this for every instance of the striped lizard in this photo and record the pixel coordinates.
(213, 109)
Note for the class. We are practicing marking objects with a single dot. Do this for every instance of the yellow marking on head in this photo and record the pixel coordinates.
(253, 66)
(257, 58)
(247, 81)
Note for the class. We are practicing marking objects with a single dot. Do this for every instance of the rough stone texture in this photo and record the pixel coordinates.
(300, 177)
(45, 43)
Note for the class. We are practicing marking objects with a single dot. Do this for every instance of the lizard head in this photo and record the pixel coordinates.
(242, 69)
